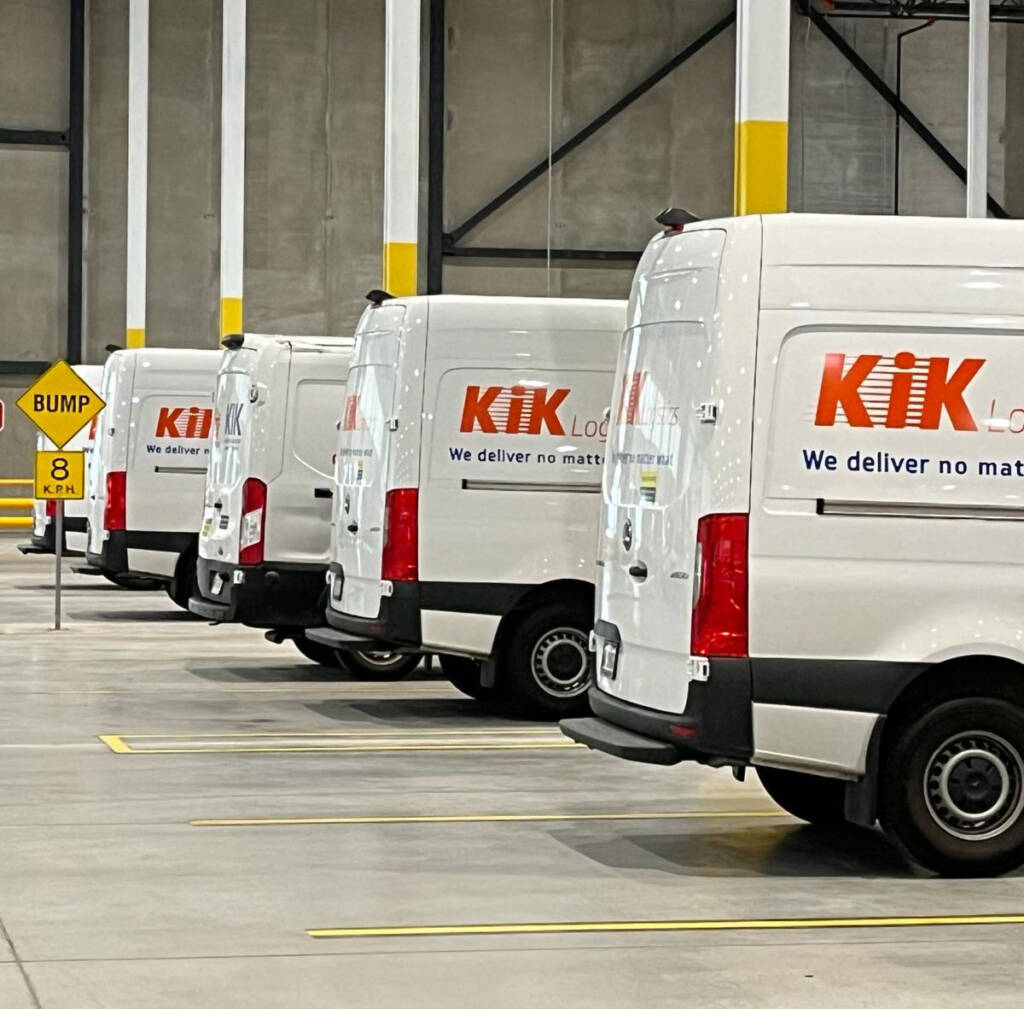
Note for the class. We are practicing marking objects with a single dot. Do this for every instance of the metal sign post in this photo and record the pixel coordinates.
(59, 551)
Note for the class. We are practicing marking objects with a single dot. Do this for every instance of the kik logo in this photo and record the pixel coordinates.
(503, 409)
(178, 422)
(233, 420)
(896, 392)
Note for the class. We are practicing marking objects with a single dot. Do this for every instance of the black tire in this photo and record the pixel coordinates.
(185, 583)
(382, 665)
(951, 792)
(464, 674)
(545, 666)
(133, 583)
(322, 655)
(808, 797)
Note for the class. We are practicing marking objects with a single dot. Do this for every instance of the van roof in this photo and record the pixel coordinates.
(169, 356)
(858, 240)
(256, 339)
(461, 311)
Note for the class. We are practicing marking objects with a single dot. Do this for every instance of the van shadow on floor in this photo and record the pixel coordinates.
(101, 587)
(301, 672)
(796, 850)
(415, 710)
(137, 616)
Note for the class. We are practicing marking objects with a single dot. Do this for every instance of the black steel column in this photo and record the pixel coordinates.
(435, 154)
(76, 172)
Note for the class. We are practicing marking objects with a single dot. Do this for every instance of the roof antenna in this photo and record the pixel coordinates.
(111, 347)
(377, 297)
(233, 342)
(674, 219)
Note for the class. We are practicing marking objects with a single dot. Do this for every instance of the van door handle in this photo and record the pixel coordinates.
(353, 527)
(323, 492)
(639, 571)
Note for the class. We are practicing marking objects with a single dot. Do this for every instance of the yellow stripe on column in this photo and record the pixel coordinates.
(135, 338)
(400, 268)
(761, 162)
(230, 316)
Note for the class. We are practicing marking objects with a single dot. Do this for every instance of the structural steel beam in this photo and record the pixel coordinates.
(579, 255)
(435, 149)
(868, 73)
(76, 177)
(590, 129)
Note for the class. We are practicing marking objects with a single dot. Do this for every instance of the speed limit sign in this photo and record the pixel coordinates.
(60, 476)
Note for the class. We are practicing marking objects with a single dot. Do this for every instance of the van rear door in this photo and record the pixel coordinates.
(365, 469)
(229, 456)
(678, 449)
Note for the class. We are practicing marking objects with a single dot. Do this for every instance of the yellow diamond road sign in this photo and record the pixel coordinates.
(60, 403)
(60, 476)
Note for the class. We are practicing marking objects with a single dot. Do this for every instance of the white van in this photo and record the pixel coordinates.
(44, 513)
(467, 486)
(149, 465)
(266, 527)
(812, 552)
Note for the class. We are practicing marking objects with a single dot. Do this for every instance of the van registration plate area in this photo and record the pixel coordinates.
(609, 659)
(217, 584)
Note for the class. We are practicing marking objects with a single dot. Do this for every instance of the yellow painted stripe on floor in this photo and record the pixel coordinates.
(714, 925)
(342, 734)
(400, 268)
(135, 337)
(303, 821)
(116, 743)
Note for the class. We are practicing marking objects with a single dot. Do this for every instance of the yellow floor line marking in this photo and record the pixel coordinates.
(714, 925)
(343, 734)
(292, 821)
(117, 744)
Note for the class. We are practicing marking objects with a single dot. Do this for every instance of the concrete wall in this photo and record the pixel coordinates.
(315, 141)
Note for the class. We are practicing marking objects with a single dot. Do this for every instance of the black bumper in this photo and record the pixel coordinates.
(47, 543)
(396, 625)
(113, 556)
(714, 729)
(270, 595)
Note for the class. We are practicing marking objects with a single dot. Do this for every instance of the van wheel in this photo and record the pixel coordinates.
(322, 655)
(378, 665)
(185, 582)
(464, 674)
(546, 667)
(951, 795)
(808, 797)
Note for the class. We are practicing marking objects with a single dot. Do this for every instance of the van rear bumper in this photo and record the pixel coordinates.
(714, 729)
(397, 623)
(113, 555)
(267, 595)
(47, 543)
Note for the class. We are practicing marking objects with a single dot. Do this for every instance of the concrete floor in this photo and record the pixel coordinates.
(110, 895)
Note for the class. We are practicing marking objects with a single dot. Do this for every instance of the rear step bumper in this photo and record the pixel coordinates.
(33, 548)
(219, 613)
(334, 638)
(272, 594)
(601, 735)
(87, 569)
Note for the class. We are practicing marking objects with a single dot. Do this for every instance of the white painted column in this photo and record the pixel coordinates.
(138, 171)
(977, 110)
(762, 106)
(401, 146)
(232, 168)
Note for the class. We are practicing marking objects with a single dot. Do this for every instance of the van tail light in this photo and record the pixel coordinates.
(720, 616)
(254, 522)
(51, 509)
(401, 560)
(114, 504)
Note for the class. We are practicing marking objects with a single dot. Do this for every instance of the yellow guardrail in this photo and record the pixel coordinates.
(16, 503)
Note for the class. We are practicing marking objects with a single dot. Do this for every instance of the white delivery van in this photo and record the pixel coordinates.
(812, 546)
(266, 527)
(467, 490)
(44, 513)
(149, 465)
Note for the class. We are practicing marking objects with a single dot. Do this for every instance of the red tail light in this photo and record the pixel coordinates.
(51, 509)
(114, 506)
(401, 561)
(254, 522)
(720, 619)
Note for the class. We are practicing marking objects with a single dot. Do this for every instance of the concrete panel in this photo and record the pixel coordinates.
(34, 64)
(1015, 122)
(184, 166)
(106, 177)
(17, 440)
(33, 252)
